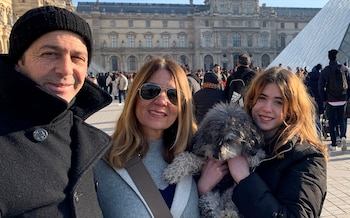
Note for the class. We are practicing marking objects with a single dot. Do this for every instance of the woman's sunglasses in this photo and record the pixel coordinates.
(149, 91)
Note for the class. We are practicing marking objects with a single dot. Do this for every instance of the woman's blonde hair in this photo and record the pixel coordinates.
(300, 107)
(128, 138)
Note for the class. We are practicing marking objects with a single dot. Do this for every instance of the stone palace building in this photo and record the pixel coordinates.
(215, 32)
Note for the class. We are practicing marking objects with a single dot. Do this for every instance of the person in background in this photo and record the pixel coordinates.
(292, 180)
(220, 75)
(114, 85)
(47, 149)
(122, 82)
(130, 78)
(208, 96)
(109, 83)
(311, 82)
(193, 80)
(101, 80)
(335, 105)
(156, 123)
(92, 78)
(200, 75)
(239, 81)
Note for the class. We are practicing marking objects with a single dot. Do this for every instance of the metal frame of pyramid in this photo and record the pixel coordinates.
(329, 29)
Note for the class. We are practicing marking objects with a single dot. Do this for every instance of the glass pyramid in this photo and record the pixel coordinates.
(329, 29)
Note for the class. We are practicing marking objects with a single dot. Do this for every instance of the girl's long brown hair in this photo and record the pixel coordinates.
(301, 111)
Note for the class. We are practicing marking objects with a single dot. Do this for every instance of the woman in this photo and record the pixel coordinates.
(156, 123)
(291, 181)
(208, 96)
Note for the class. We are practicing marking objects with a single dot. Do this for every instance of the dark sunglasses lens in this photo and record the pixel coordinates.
(172, 96)
(149, 91)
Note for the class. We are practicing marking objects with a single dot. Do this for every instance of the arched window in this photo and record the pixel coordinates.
(114, 63)
(132, 63)
(183, 60)
(265, 60)
(208, 63)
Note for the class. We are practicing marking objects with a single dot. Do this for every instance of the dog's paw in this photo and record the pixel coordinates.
(228, 214)
(228, 207)
(185, 163)
(209, 205)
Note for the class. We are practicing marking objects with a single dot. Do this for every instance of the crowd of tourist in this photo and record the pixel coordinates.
(115, 83)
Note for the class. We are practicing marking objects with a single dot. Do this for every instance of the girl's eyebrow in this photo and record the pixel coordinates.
(279, 98)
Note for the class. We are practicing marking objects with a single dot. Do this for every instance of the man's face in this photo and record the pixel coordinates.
(57, 61)
(217, 69)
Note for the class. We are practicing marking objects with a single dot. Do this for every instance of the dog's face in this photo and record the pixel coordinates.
(225, 132)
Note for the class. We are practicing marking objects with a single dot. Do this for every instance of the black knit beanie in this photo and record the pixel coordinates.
(39, 21)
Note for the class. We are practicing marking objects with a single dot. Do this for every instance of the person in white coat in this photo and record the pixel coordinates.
(122, 85)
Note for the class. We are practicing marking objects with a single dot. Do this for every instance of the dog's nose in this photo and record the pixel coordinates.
(217, 151)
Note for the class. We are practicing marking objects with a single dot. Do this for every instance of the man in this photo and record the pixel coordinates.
(335, 104)
(193, 79)
(109, 83)
(220, 75)
(47, 150)
(311, 82)
(122, 83)
(101, 80)
(239, 81)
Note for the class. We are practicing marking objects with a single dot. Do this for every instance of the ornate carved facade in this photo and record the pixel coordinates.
(11, 10)
(127, 34)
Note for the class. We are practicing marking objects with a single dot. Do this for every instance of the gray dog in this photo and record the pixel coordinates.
(225, 132)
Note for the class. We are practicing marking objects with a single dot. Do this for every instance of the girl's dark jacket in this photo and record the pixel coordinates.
(47, 150)
(291, 187)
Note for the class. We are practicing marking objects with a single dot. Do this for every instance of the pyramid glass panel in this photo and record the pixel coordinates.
(329, 29)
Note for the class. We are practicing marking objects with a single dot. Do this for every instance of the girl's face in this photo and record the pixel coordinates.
(157, 114)
(268, 112)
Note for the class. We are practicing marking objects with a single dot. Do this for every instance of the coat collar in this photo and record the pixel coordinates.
(284, 149)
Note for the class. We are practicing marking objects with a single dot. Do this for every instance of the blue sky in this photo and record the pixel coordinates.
(275, 3)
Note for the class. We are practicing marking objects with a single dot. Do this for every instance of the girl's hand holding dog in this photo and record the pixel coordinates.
(212, 173)
(239, 168)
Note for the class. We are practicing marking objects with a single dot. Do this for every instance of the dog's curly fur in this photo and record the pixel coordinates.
(225, 132)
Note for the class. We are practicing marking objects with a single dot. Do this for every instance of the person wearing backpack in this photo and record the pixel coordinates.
(311, 82)
(333, 86)
(239, 81)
